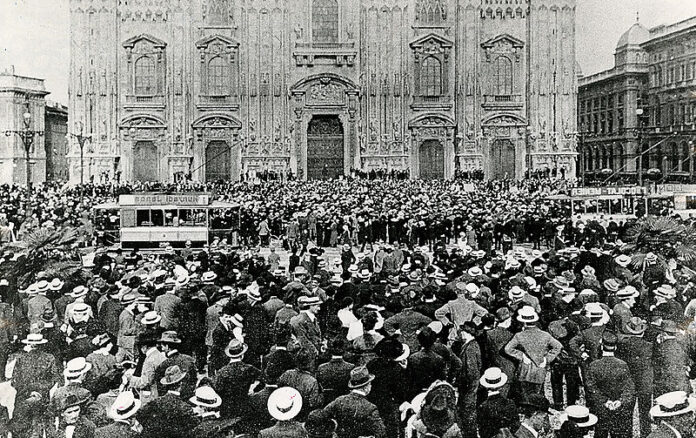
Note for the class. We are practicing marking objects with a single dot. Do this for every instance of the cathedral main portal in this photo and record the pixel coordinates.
(325, 145)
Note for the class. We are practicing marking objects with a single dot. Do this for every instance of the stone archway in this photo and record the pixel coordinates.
(216, 152)
(325, 146)
(320, 96)
(504, 147)
(432, 152)
(144, 139)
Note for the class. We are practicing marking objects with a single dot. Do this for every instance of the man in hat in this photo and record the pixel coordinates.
(39, 303)
(497, 411)
(206, 405)
(122, 412)
(459, 311)
(234, 381)
(152, 358)
(670, 361)
(168, 344)
(665, 305)
(468, 378)
(408, 322)
(305, 326)
(534, 350)
(128, 327)
(168, 415)
(70, 421)
(110, 311)
(492, 353)
(355, 415)
(302, 378)
(166, 306)
(674, 414)
(391, 383)
(229, 326)
(35, 371)
(586, 345)
(284, 405)
(256, 326)
(610, 392)
(534, 410)
(622, 314)
(579, 422)
(334, 375)
(637, 352)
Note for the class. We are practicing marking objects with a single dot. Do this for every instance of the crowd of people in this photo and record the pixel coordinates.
(433, 320)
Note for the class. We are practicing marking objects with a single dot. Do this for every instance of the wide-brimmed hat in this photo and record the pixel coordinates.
(169, 337)
(208, 276)
(611, 285)
(56, 284)
(527, 315)
(623, 260)
(635, 326)
(125, 406)
(493, 378)
(672, 404)
(319, 424)
(627, 292)
(34, 339)
(284, 403)
(70, 399)
(172, 376)
(666, 291)
(76, 367)
(597, 314)
(151, 318)
(236, 349)
(580, 415)
(360, 377)
(79, 291)
(206, 397)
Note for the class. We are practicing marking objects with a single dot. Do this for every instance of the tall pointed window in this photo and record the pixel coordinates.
(502, 76)
(325, 21)
(145, 76)
(431, 77)
(218, 13)
(217, 77)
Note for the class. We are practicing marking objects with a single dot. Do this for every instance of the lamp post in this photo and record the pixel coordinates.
(27, 135)
(691, 161)
(81, 140)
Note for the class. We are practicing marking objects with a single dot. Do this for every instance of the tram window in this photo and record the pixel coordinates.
(199, 217)
(143, 218)
(186, 217)
(157, 218)
(691, 202)
(171, 218)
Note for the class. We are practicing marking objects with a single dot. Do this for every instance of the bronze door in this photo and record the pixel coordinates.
(145, 161)
(324, 148)
(502, 163)
(217, 161)
(432, 160)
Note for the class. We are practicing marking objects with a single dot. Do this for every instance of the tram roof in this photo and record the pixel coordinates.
(212, 205)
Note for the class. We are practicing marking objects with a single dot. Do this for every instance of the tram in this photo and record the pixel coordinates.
(617, 202)
(151, 220)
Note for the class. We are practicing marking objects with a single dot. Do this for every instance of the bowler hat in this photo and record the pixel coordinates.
(360, 377)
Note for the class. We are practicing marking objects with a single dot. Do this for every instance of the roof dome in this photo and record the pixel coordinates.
(634, 36)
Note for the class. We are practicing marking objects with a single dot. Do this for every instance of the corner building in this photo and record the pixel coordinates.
(223, 88)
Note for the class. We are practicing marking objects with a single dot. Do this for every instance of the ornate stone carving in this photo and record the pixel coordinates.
(326, 94)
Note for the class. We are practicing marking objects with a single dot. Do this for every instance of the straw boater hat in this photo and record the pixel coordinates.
(151, 318)
(206, 397)
(305, 302)
(527, 315)
(236, 349)
(360, 377)
(56, 284)
(474, 271)
(172, 376)
(42, 286)
(125, 406)
(597, 314)
(580, 415)
(623, 260)
(666, 291)
(284, 403)
(493, 378)
(651, 258)
(627, 292)
(611, 285)
(673, 404)
(79, 291)
(364, 274)
(34, 339)
(76, 367)
(516, 293)
(208, 277)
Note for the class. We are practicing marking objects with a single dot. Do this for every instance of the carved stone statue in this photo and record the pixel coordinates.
(373, 131)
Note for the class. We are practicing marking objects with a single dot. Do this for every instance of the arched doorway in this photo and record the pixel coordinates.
(217, 161)
(324, 147)
(145, 161)
(502, 159)
(432, 160)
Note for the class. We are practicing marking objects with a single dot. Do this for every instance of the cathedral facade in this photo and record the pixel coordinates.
(217, 89)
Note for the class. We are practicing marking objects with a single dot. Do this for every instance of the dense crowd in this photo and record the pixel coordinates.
(433, 321)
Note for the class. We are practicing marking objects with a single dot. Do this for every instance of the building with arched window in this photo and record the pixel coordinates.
(223, 89)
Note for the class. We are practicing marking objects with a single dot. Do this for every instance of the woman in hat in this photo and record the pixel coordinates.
(70, 422)
(437, 414)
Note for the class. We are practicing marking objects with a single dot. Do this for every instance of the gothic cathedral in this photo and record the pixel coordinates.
(216, 89)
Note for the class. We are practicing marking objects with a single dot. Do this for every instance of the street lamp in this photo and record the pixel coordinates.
(81, 140)
(27, 135)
